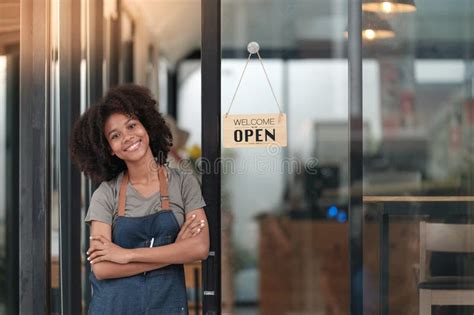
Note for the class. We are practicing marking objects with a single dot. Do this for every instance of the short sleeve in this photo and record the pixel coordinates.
(101, 206)
(191, 193)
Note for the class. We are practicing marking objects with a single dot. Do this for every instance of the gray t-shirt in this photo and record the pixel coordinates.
(183, 188)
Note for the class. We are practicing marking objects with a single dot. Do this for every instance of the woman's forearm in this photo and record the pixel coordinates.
(185, 251)
(110, 270)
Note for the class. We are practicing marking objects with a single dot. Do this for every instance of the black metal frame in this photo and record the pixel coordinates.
(172, 93)
(70, 180)
(12, 182)
(34, 205)
(383, 259)
(356, 156)
(211, 148)
(324, 50)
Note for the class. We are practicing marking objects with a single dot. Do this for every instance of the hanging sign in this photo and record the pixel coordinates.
(255, 130)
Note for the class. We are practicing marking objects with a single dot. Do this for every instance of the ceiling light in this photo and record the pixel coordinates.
(389, 6)
(374, 27)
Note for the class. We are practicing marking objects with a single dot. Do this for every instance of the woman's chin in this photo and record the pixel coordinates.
(134, 157)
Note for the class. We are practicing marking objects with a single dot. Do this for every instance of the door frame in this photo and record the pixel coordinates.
(356, 207)
(211, 149)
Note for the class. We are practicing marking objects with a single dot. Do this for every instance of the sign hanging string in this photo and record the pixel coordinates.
(253, 48)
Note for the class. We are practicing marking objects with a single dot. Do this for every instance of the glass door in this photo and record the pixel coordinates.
(418, 158)
(284, 211)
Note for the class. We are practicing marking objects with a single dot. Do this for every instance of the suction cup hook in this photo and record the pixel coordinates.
(253, 47)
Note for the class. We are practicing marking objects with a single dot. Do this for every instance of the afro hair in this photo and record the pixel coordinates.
(89, 148)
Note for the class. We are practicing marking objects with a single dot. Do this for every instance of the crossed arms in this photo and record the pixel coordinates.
(109, 260)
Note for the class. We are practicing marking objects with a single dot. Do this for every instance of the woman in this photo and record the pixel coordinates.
(146, 219)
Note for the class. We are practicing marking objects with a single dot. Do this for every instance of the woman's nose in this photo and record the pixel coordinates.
(128, 136)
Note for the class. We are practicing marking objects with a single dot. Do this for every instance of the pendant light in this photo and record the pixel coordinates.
(374, 27)
(389, 6)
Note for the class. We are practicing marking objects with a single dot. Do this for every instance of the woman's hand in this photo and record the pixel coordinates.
(190, 229)
(104, 250)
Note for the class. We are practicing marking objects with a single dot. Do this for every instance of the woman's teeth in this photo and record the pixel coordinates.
(133, 147)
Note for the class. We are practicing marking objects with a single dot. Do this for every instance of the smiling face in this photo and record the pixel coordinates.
(127, 137)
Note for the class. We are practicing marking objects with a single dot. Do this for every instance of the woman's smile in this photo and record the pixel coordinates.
(134, 146)
(127, 137)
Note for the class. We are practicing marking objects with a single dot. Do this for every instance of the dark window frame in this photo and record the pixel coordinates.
(211, 148)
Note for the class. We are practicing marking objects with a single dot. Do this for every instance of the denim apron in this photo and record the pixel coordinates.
(160, 291)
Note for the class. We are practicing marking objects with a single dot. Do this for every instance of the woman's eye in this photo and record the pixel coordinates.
(114, 136)
(131, 126)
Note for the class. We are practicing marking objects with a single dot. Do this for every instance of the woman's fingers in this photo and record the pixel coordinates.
(188, 222)
(98, 242)
(99, 238)
(185, 226)
(197, 228)
(191, 231)
(98, 259)
(95, 254)
(95, 246)
(196, 225)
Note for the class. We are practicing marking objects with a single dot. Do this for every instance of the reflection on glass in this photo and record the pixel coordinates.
(389, 6)
(374, 27)
(422, 159)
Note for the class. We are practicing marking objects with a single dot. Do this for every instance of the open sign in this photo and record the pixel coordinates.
(255, 130)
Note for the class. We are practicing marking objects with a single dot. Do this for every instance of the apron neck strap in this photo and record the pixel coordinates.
(122, 194)
(165, 200)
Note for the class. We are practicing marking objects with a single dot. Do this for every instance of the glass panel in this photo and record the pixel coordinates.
(418, 157)
(284, 211)
(9, 155)
(85, 285)
(189, 103)
(54, 176)
(87, 72)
